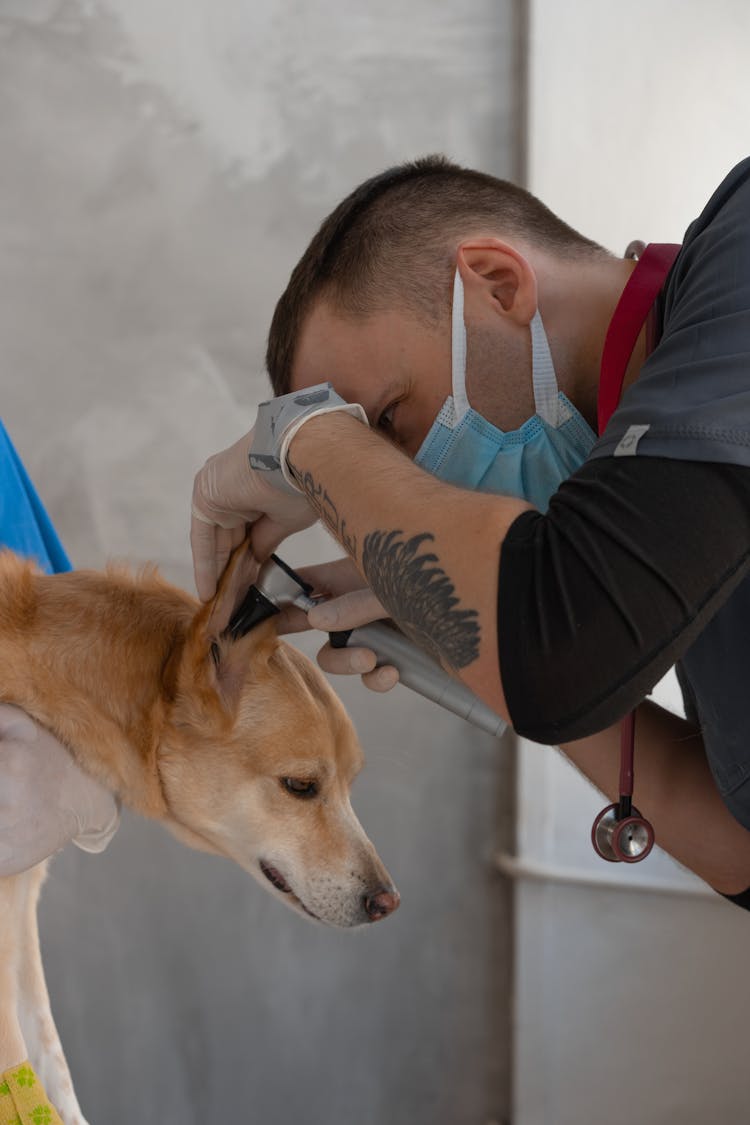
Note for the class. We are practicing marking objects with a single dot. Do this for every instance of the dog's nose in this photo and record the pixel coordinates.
(381, 903)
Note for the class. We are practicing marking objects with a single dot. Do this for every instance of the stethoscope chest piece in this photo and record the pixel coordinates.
(621, 839)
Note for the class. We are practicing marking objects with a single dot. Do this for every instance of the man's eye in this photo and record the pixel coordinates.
(299, 787)
(385, 421)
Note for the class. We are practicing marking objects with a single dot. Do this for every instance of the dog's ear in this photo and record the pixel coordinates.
(240, 573)
(221, 662)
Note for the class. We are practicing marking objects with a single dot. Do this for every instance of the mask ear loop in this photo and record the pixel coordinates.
(543, 376)
(458, 350)
(544, 380)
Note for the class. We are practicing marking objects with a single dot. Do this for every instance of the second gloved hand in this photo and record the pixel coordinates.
(251, 483)
(349, 603)
(227, 496)
(46, 801)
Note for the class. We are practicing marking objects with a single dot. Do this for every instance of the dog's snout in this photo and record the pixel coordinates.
(381, 903)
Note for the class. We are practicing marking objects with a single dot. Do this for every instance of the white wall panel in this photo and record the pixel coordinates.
(630, 1003)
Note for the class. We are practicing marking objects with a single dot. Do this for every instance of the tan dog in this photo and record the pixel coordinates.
(240, 747)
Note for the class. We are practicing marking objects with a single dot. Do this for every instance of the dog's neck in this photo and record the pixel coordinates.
(93, 657)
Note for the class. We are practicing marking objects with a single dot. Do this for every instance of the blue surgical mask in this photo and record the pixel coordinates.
(463, 448)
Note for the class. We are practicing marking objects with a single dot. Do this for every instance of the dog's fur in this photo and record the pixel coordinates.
(155, 700)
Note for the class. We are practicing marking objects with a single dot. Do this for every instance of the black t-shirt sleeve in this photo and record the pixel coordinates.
(600, 596)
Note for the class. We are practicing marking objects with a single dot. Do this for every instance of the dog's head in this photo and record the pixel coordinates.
(257, 762)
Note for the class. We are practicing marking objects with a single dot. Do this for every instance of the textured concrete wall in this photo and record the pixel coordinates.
(164, 162)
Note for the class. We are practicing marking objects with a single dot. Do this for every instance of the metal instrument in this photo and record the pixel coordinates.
(278, 585)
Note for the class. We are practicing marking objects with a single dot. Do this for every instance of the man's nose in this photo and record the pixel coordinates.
(379, 904)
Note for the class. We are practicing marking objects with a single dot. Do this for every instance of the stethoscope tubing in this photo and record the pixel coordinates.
(619, 833)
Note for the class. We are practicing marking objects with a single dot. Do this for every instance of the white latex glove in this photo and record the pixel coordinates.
(227, 496)
(45, 799)
(349, 603)
(250, 483)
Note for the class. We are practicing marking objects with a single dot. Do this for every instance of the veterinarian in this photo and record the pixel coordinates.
(559, 575)
(45, 800)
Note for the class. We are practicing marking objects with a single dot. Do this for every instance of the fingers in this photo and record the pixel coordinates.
(219, 512)
(228, 496)
(346, 661)
(358, 662)
(211, 546)
(330, 579)
(326, 579)
(338, 577)
(381, 679)
(291, 619)
(292, 514)
(98, 817)
(225, 541)
(265, 537)
(359, 607)
(342, 661)
(45, 799)
(15, 723)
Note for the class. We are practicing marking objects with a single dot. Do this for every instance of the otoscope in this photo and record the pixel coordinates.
(278, 586)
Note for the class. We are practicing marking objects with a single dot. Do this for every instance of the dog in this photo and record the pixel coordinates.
(239, 746)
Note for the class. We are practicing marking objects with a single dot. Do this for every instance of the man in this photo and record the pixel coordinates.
(558, 576)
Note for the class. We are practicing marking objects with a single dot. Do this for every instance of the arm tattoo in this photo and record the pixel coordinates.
(329, 513)
(420, 596)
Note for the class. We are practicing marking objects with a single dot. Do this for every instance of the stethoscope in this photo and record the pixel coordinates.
(619, 833)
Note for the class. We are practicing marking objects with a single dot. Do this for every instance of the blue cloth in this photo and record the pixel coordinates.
(25, 527)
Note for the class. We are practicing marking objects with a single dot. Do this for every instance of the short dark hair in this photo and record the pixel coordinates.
(391, 244)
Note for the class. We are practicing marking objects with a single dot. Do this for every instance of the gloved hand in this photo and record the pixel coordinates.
(349, 603)
(45, 799)
(250, 483)
(227, 496)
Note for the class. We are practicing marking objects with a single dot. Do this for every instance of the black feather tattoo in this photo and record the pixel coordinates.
(420, 596)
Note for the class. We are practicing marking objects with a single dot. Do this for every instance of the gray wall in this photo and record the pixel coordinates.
(164, 162)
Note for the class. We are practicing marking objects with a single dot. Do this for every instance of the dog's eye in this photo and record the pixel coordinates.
(299, 788)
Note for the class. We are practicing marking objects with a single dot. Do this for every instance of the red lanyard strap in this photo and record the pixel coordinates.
(631, 313)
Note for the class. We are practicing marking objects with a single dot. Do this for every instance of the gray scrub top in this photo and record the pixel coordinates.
(691, 402)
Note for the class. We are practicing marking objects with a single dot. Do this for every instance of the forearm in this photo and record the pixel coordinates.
(429, 551)
(674, 789)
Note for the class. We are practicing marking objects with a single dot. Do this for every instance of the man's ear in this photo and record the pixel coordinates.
(220, 663)
(498, 281)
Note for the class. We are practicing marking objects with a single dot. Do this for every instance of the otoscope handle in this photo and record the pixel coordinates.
(421, 673)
